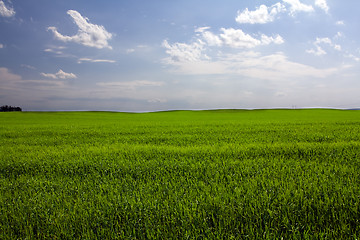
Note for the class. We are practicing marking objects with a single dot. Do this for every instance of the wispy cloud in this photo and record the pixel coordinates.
(157, 100)
(52, 50)
(59, 75)
(131, 85)
(353, 57)
(6, 11)
(319, 51)
(275, 67)
(137, 48)
(339, 35)
(81, 60)
(28, 66)
(322, 4)
(59, 51)
(54, 93)
(14, 82)
(1, 46)
(297, 6)
(261, 15)
(89, 34)
(130, 50)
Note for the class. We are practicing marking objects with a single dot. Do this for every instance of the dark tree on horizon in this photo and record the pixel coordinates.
(7, 108)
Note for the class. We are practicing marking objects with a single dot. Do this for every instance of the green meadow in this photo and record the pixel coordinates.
(224, 174)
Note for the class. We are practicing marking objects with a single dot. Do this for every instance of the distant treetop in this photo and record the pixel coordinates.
(7, 108)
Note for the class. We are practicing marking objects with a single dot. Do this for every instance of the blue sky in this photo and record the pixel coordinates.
(159, 55)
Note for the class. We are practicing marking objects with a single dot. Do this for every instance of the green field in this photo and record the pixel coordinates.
(225, 174)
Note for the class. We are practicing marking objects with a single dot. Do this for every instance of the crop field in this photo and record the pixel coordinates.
(224, 174)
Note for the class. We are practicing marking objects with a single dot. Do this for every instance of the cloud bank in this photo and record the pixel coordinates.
(235, 57)
(12, 83)
(230, 37)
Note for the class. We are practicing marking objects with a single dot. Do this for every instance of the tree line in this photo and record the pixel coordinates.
(7, 108)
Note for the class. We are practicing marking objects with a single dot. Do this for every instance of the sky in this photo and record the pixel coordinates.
(138, 55)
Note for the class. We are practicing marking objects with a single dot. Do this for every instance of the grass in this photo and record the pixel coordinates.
(225, 174)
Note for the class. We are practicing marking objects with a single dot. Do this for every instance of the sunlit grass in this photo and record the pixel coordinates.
(206, 174)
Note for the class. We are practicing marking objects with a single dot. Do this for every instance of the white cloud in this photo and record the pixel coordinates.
(261, 15)
(51, 94)
(81, 60)
(202, 29)
(195, 52)
(55, 49)
(28, 66)
(49, 75)
(340, 23)
(236, 38)
(339, 35)
(275, 67)
(89, 34)
(59, 75)
(140, 47)
(6, 75)
(157, 100)
(1, 46)
(130, 50)
(131, 85)
(209, 37)
(323, 40)
(337, 47)
(278, 67)
(180, 52)
(59, 51)
(265, 14)
(13, 82)
(50, 50)
(266, 40)
(5, 11)
(297, 6)
(319, 51)
(322, 4)
(357, 59)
